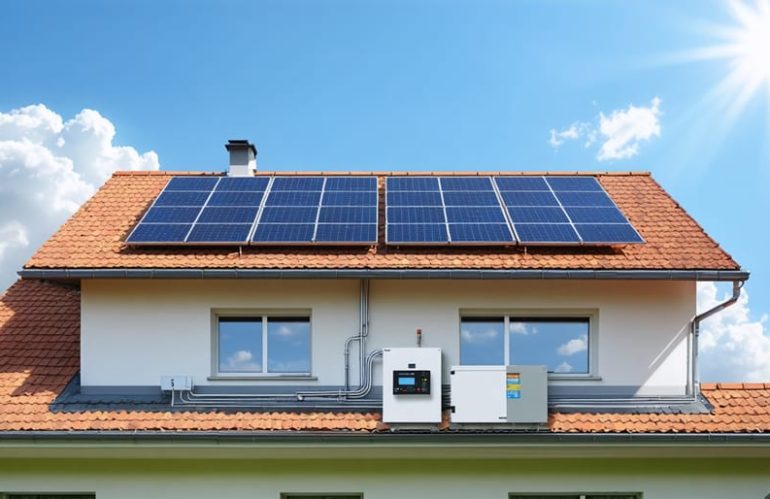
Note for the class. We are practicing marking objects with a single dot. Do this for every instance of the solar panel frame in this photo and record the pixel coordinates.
(465, 202)
(352, 199)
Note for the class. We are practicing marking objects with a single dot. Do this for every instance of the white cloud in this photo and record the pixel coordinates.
(564, 367)
(522, 328)
(733, 347)
(476, 336)
(620, 133)
(573, 346)
(48, 168)
(242, 360)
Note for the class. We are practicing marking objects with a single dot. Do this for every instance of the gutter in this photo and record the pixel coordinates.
(476, 439)
(137, 273)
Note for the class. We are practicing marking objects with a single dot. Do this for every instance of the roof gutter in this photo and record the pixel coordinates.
(535, 274)
(388, 438)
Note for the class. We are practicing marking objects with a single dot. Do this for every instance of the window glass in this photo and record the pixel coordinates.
(559, 343)
(288, 340)
(240, 344)
(482, 341)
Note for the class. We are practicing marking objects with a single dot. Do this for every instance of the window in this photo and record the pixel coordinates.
(263, 345)
(575, 496)
(560, 343)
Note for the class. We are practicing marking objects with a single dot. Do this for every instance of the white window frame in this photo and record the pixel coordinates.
(592, 315)
(581, 495)
(264, 315)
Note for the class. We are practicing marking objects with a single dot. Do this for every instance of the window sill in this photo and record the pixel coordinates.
(573, 377)
(263, 377)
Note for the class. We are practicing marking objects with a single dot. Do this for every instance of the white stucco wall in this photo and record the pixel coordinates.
(135, 331)
(388, 479)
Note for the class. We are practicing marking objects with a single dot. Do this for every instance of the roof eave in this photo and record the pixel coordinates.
(367, 273)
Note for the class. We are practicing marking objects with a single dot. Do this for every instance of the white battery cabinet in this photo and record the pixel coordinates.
(499, 394)
(411, 385)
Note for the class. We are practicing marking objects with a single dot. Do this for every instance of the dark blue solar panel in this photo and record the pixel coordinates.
(415, 215)
(521, 184)
(288, 215)
(574, 183)
(343, 198)
(414, 199)
(293, 198)
(219, 233)
(228, 216)
(235, 198)
(455, 198)
(525, 214)
(243, 184)
(284, 233)
(528, 198)
(466, 184)
(608, 233)
(352, 215)
(171, 215)
(584, 199)
(474, 215)
(412, 184)
(351, 184)
(417, 233)
(297, 184)
(344, 233)
(596, 215)
(182, 198)
(480, 233)
(192, 183)
(159, 233)
(546, 233)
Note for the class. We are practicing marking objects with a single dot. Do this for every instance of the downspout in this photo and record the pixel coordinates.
(694, 381)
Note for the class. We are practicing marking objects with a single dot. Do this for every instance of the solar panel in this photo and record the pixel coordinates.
(278, 210)
(219, 233)
(319, 210)
(445, 210)
(563, 210)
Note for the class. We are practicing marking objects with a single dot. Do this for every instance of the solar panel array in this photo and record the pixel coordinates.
(420, 210)
(503, 210)
(261, 210)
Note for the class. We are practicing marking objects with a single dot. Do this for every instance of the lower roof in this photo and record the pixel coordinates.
(39, 355)
(94, 238)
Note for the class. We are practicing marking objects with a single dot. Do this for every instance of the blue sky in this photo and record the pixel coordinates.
(423, 85)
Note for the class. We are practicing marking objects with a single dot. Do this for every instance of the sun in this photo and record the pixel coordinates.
(752, 41)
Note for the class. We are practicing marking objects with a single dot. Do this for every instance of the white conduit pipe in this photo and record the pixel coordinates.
(347, 396)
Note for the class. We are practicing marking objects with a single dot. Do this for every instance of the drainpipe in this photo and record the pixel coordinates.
(694, 381)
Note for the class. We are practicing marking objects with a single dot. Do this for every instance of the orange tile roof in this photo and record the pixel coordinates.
(39, 355)
(94, 238)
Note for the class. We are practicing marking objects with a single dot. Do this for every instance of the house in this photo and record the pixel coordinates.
(414, 338)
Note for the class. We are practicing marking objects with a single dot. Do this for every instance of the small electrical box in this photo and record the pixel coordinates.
(411, 385)
(176, 383)
(411, 382)
(499, 394)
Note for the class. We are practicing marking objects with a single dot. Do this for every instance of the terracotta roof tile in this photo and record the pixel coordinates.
(93, 238)
(39, 355)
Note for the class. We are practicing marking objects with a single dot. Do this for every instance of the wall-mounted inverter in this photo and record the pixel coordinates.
(411, 385)
(499, 394)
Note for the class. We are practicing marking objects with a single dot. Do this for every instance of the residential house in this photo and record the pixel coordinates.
(260, 334)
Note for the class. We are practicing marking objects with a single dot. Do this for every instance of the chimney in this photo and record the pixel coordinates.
(243, 158)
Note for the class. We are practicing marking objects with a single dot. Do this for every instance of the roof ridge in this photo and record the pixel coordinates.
(416, 173)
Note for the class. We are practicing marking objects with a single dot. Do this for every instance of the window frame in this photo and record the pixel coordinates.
(591, 315)
(264, 315)
(562, 495)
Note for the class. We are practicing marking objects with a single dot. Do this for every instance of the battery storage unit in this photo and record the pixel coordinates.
(499, 394)
(411, 385)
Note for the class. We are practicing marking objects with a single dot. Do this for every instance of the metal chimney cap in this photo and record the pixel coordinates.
(240, 144)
